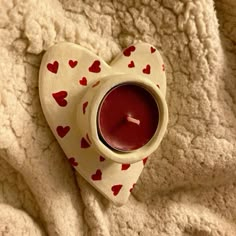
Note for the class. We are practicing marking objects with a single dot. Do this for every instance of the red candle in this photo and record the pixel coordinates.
(128, 117)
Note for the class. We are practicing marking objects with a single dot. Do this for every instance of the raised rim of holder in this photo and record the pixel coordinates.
(107, 83)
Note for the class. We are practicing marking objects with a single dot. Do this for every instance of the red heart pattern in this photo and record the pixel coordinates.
(83, 81)
(62, 131)
(131, 64)
(163, 67)
(73, 162)
(132, 188)
(53, 67)
(97, 176)
(72, 63)
(152, 49)
(60, 98)
(125, 166)
(95, 67)
(127, 52)
(116, 189)
(84, 143)
(145, 160)
(147, 69)
(84, 107)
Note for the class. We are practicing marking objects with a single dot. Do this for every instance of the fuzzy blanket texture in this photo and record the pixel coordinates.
(188, 186)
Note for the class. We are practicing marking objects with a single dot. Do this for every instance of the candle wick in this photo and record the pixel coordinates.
(133, 120)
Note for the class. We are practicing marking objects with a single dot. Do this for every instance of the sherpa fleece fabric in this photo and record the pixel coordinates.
(188, 186)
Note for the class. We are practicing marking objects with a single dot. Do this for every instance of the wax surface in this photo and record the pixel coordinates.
(120, 102)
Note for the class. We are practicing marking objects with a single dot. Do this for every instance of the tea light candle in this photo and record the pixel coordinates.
(128, 117)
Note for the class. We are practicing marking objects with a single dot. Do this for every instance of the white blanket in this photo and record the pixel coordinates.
(188, 185)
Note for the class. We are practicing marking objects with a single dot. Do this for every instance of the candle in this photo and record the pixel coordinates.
(128, 117)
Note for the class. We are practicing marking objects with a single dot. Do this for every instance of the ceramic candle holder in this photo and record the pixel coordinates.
(73, 83)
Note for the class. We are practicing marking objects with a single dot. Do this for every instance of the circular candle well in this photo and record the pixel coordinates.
(127, 118)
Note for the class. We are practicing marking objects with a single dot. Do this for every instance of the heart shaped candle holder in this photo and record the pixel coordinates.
(77, 91)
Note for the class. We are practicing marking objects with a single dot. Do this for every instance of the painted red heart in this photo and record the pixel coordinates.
(147, 69)
(84, 143)
(145, 160)
(127, 52)
(131, 64)
(72, 63)
(83, 81)
(95, 67)
(96, 84)
(163, 67)
(53, 67)
(84, 107)
(152, 49)
(101, 158)
(116, 189)
(132, 188)
(73, 162)
(97, 175)
(60, 98)
(62, 131)
(125, 166)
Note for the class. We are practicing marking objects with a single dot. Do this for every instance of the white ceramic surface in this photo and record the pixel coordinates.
(71, 83)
